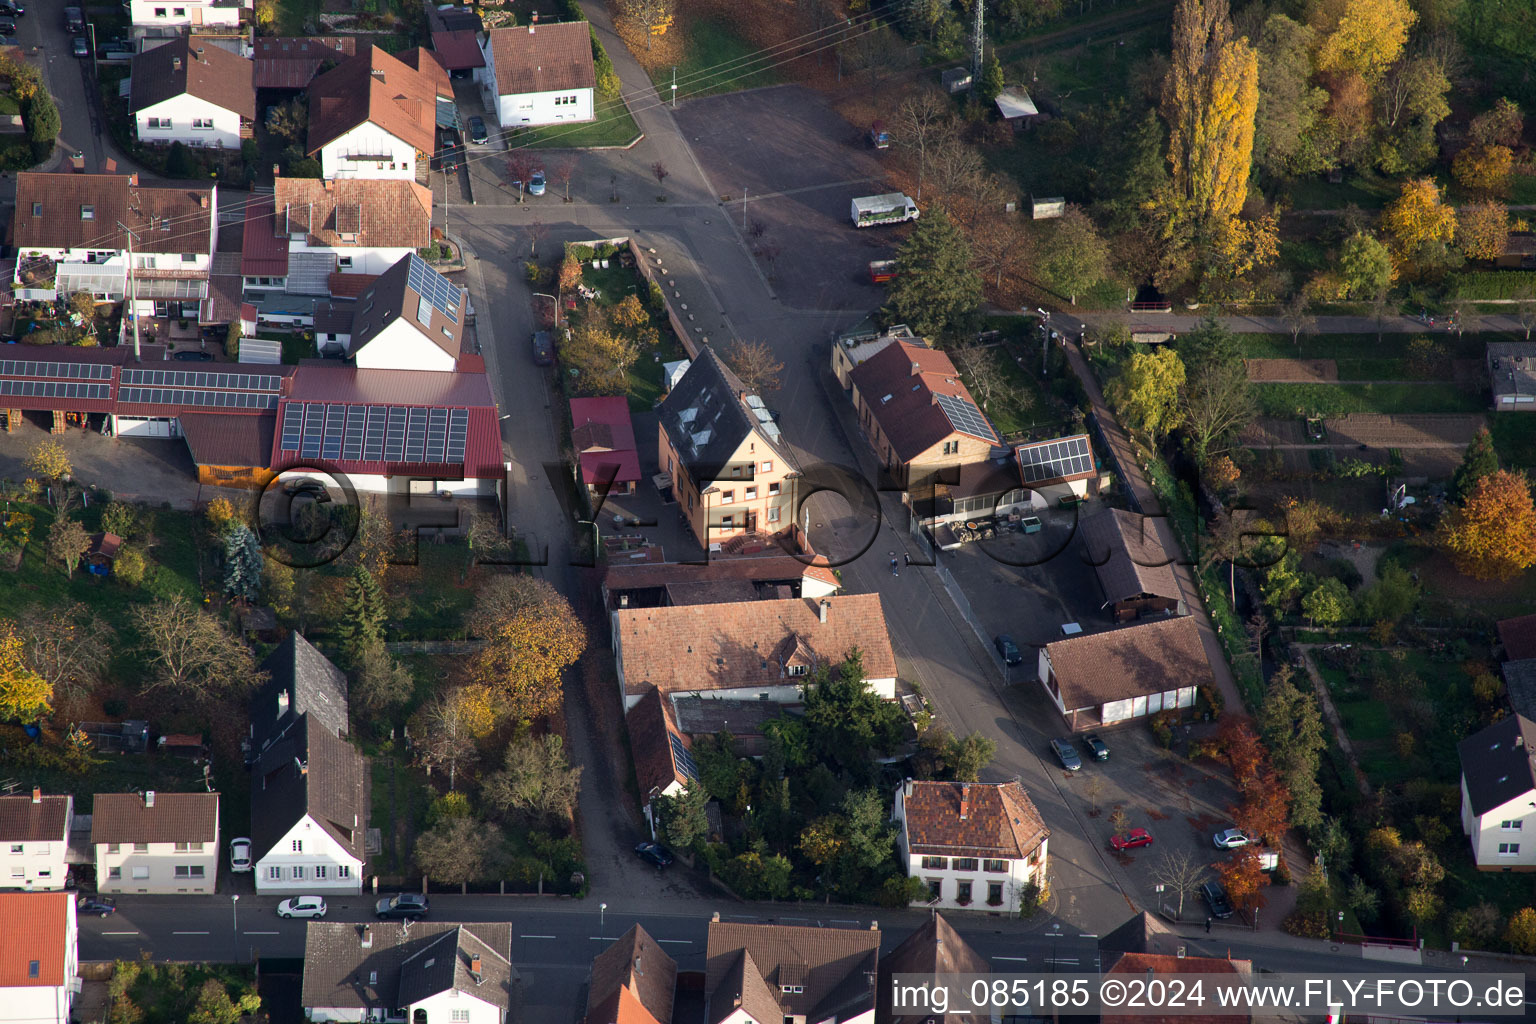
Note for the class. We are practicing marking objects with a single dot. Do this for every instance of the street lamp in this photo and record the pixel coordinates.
(602, 915)
(234, 909)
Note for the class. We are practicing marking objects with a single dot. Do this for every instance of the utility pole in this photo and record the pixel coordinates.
(133, 306)
(674, 86)
(744, 195)
(977, 43)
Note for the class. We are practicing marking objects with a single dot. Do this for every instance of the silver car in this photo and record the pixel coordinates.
(1231, 839)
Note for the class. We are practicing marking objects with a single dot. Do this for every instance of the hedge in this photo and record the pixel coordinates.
(1493, 284)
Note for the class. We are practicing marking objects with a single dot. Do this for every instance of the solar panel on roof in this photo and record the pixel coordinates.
(1053, 459)
(458, 433)
(416, 436)
(683, 758)
(373, 437)
(335, 421)
(352, 441)
(394, 436)
(434, 288)
(293, 426)
(72, 371)
(965, 417)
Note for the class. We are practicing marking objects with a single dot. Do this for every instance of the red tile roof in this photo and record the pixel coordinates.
(768, 567)
(373, 87)
(431, 66)
(633, 982)
(114, 199)
(459, 51)
(1133, 661)
(542, 58)
(1189, 967)
(604, 440)
(264, 252)
(349, 286)
(745, 644)
(653, 739)
(899, 385)
(188, 67)
(1000, 822)
(292, 62)
(387, 213)
(36, 928)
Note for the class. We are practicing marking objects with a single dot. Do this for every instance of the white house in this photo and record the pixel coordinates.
(39, 957)
(192, 92)
(773, 973)
(158, 18)
(355, 225)
(426, 971)
(1131, 672)
(538, 74)
(976, 845)
(69, 233)
(34, 836)
(1498, 794)
(372, 116)
(411, 318)
(750, 650)
(156, 842)
(309, 812)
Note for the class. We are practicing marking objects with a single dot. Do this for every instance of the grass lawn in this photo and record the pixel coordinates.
(1514, 437)
(1339, 399)
(612, 126)
(292, 14)
(645, 387)
(715, 60)
(399, 797)
(612, 284)
(1522, 190)
(431, 598)
(112, 773)
(1357, 346)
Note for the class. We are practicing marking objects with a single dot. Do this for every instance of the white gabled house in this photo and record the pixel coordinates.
(976, 845)
(411, 318)
(193, 92)
(538, 74)
(372, 116)
(39, 957)
(1498, 794)
(156, 842)
(34, 836)
(790, 974)
(422, 972)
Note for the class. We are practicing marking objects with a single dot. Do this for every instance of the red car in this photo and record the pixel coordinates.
(1132, 839)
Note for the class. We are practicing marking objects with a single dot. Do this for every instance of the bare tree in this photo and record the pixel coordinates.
(1465, 317)
(67, 645)
(442, 733)
(537, 785)
(1119, 821)
(1093, 789)
(1381, 305)
(919, 123)
(537, 232)
(520, 167)
(996, 246)
(769, 252)
(756, 229)
(561, 172)
(953, 162)
(1179, 874)
(1296, 313)
(191, 653)
(649, 15)
(754, 363)
(1525, 315)
(982, 372)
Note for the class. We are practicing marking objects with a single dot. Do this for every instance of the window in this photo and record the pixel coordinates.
(157, 122)
(274, 874)
(736, 471)
(999, 866)
(965, 863)
(1509, 849)
(202, 123)
(189, 871)
(792, 990)
(43, 850)
(45, 872)
(178, 12)
(766, 467)
(935, 863)
(751, 493)
(344, 261)
(37, 209)
(773, 515)
(727, 522)
(319, 872)
(1512, 826)
(994, 894)
(773, 488)
(34, 968)
(159, 12)
(116, 873)
(461, 1016)
(298, 846)
(87, 211)
(727, 497)
(17, 847)
(344, 871)
(963, 894)
(189, 847)
(141, 873)
(18, 872)
(935, 888)
(298, 872)
(140, 847)
(799, 670)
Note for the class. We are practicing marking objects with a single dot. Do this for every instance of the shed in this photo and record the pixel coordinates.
(1015, 105)
(102, 553)
(956, 80)
(1048, 207)
(673, 372)
(261, 350)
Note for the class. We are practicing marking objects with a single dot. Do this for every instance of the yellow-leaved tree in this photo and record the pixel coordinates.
(1210, 95)
(1361, 36)
(1147, 392)
(25, 696)
(1492, 536)
(525, 653)
(1418, 221)
(1482, 230)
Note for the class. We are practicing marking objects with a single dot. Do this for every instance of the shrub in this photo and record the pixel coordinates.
(130, 566)
(1492, 284)
(608, 85)
(1162, 730)
(533, 272)
(1306, 924)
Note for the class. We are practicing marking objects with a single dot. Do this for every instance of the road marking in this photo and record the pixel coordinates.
(677, 942)
(603, 938)
(189, 933)
(119, 933)
(1020, 959)
(535, 936)
(248, 933)
(1085, 935)
(1063, 960)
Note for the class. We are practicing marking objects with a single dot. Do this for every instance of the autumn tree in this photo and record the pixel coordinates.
(1366, 265)
(1482, 230)
(937, 288)
(1418, 223)
(460, 849)
(1520, 933)
(600, 355)
(191, 653)
(1492, 536)
(1485, 170)
(1362, 36)
(1210, 95)
(1243, 878)
(536, 784)
(219, 513)
(1147, 392)
(1264, 808)
(1286, 136)
(1070, 256)
(1327, 603)
(25, 696)
(525, 654)
(49, 460)
(756, 365)
(1504, 125)
(1215, 403)
(1411, 103)
(1241, 749)
(996, 245)
(1479, 460)
(443, 730)
(381, 684)
(67, 542)
(68, 645)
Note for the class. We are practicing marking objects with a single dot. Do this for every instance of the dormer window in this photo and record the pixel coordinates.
(792, 990)
(37, 209)
(87, 212)
(799, 670)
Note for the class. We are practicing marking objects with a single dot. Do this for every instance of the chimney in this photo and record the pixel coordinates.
(965, 800)
(282, 703)
(535, 17)
(826, 606)
(149, 798)
(906, 788)
(203, 202)
(916, 369)
(37, 795)
(874, 926)
(531, 27)
(623, 600)
(329, 184)
(474, 969)
(715, 917)
(302, 766)
(133, 180)
(367, 936)
(277, 171)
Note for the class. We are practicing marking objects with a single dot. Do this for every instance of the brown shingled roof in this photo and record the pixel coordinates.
(835, 967)
(51, 212)
(1128, 555)
(1132, 661)
(542, 58)
(653, 741)
(934, 948)
(722, 646)
(753, 568)
(638, 965)
(387, 213)
(22, 821)
(899, 384)
(292, 62)
(175, 818)
(1001, 821)
(185, 67)
(373, 87)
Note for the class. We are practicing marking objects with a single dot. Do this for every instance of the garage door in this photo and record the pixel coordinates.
(131, 427)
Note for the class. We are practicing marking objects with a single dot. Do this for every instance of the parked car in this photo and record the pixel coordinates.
(1095, 747)
(302, 906)
(7, 27)
(308, 487)
(11, 9)
(536, 184)
(101, 906)
(1008, 649)
(406, 905)
(1132, 839)
(1231, 839)
(1067, 755)
(240, 854)
(191, 355)
(477, 132)
(74, 21)
(543, 349)
(80, 47)
(654, 853)
(1216, 898)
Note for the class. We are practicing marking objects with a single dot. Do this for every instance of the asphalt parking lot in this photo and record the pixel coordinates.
(786, 144)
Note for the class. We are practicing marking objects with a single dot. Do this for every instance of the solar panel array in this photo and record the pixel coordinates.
(1052, 459)
(71, 371)
(54, 389)
(436, 289)
(683, 758)
(212, 399)
(202, 379)
(374, 433)
(965, 417)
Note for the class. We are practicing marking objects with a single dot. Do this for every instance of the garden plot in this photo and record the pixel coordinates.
(1292, 371)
